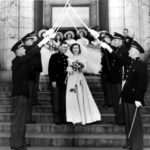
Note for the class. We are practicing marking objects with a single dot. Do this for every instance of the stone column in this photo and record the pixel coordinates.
(116, 16)
(145, 25)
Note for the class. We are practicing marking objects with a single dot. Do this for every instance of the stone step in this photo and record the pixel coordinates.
(48, 109)
(48, 118)
(70, 148)
(44, 87)
(76, 129)
(96, 95)
(44, 101)
(45, 79)
(48, 94)
(73, 140)
(48, 101)
(69, 128)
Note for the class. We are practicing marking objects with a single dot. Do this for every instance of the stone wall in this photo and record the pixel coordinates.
(145, 23)
(16, 20)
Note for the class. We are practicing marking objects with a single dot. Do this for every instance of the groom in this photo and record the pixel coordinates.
(57, 75)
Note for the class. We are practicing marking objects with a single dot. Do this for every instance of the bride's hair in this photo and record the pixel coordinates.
(71, 48)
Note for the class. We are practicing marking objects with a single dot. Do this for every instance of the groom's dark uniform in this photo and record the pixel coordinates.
(57, 73)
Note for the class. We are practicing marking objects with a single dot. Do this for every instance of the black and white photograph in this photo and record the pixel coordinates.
(74, 74)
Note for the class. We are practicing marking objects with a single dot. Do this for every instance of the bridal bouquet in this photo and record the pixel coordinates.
(77, 66)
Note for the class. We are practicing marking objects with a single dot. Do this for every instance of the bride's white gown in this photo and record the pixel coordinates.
(80, 105)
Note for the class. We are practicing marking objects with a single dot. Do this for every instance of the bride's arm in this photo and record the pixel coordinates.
(69, 68)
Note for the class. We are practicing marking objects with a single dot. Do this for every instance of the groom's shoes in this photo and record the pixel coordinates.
(127, 147)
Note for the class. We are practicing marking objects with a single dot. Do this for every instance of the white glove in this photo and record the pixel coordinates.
(49, 32)
(52, 36)
(54, 84)
(138, 104)
(104, 45)
(44, 41)
(94, 33)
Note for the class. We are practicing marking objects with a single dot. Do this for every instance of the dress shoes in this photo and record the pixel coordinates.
(127, 147)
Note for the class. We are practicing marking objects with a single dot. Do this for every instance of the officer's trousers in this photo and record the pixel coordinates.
(36, 89)
(136, 138)
(106, 87)
(31, 85)
(115, 92)
(59, 104)
(18, 126)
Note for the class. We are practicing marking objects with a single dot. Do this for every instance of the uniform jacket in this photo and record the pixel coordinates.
(127, 42)
(106, 61)
(57, 68)
(115, 73)
(37, 63)
(21, 69)
(135, 80)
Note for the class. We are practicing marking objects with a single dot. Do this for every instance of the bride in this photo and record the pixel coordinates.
(80, 105)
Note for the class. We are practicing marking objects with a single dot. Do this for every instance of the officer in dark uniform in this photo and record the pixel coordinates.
(127, 41)
(57, 76)
(30, 41)
(36, 67)
(116, 80)
(106, 63)
(133, 95)
(20, 75)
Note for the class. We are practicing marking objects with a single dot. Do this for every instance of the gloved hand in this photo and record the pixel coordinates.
(44, 41)
(49, 32)
(52, 36)
(138, 104)
(94, 33)
(54, 84)
(106, 46)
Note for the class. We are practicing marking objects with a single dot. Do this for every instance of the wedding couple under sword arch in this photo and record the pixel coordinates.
(80, 105)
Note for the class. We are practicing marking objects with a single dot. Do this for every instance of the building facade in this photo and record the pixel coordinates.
(18, 17)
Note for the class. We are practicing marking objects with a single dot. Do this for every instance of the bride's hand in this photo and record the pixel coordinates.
(69, 70)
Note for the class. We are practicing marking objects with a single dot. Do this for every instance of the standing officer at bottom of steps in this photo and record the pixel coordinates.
(133, 95)
(20, 92)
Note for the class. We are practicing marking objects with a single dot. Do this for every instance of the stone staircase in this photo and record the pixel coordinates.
(45, 135)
